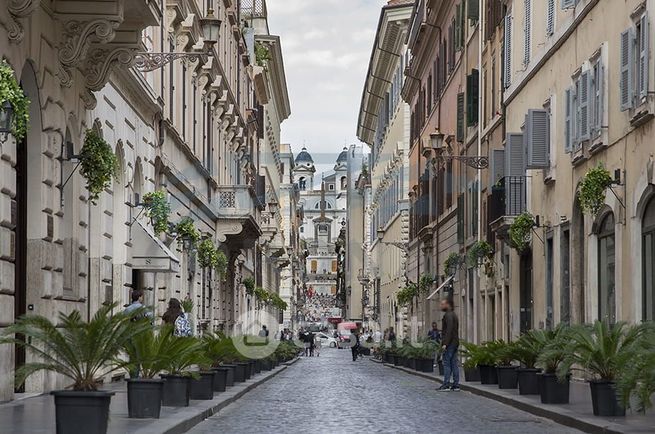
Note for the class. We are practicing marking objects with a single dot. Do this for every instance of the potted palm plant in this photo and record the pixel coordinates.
(82, 351)
(186, 353)
(636, 382)
(213, 345)
(554, 379)
(602, 350)
(526, 351)
(425, 355)
(471, 355)
(149, 354)
(508, 377)
(488, 356)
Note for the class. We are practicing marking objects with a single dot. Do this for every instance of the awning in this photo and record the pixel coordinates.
(149, 253)
(446, 282)
(347, 326)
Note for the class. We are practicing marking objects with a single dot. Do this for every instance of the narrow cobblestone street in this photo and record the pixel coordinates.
(333, 394)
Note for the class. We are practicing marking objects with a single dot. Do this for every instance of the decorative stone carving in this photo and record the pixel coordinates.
(16, 10)
(100, 62)
(77, 38)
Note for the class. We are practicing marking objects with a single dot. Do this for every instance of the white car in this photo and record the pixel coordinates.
(326, 340)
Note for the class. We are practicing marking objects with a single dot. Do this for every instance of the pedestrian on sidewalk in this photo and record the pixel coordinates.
(176, 317)
(354, 347)
(317, 346)
(449, 346)
(136, 305)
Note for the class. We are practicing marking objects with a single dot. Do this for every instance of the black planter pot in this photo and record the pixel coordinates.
(144, 398)
(248, 371)
(440, 367)
(229, 382)
(82, 412)
(412, 364)
(604, 399)
(176, 391)
(397, 361)
(220, 379)
(240, 372)
(203, 388)
(471, 374)
(551, 390)
(508, 377)
(258, 366)
(426, 365)
(488, 374)
(528, 381)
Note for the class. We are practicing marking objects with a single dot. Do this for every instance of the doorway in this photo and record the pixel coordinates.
(526, 301)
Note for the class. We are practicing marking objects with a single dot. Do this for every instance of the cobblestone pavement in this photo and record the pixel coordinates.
(333, 394)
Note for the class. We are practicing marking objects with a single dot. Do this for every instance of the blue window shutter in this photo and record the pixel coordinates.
(537, 130)
(583, 104)
(514, 155)
(496, 166)
(626, 69)
(643, 56)
(568, 119)
(568, 4)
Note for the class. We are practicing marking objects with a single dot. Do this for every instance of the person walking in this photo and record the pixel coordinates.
(137, 303)
(434, 334)
(317, 346)
(391, 336)
(449, 345)
(354, 347)
(176, 317)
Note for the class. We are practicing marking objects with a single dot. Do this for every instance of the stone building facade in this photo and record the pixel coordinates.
(189, 128)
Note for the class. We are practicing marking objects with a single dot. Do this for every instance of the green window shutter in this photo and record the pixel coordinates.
(460, 219)
(626, 61)
(460, 117)
(472, 90)
(458, 28)
(472, 10)
(538, 139)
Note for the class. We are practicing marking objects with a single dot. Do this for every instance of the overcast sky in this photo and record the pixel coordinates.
(326, 46)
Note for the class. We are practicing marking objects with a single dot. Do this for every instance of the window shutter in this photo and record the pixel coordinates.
(472, 88)
(598, 88)
(568, 116)
(457, 27)
(583, 102)
(460, 117)
(507, 75)
(528, 32)
(550, 17)
(643, 57)
(472, 10)
(568, 4)
(496, 166)
(514, 155)
(625, 82)
(538, 139)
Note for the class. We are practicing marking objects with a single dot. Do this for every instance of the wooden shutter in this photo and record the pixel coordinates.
(625, 57)
(514, 155)
(643, 56)
(598, 88)
(507, 73)
(550, 17)
(472, 10)
(496, 166)
(472, 91)
(538, 139)
(583, 104)
(460, 117)
(527, 32)
(458, 27)
(568, 119)
(568, 4)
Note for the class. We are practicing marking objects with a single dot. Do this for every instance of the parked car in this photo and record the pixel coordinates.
(327, 340)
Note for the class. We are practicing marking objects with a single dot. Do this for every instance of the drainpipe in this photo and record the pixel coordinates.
(481, 102)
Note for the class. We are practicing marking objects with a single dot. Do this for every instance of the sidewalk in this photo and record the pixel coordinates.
(577, 414)
(37, 415)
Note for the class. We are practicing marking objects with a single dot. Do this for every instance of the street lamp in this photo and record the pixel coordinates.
(6, 119)
(147, 61)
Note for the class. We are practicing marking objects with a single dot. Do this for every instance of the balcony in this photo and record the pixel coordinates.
(507, 200)
(237, 210)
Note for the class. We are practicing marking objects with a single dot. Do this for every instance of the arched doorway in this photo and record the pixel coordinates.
(27, 217)
(648, 255)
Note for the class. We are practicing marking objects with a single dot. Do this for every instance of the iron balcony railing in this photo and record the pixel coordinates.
(508, 198)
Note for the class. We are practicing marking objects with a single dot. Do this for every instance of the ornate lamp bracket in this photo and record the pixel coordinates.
(146, 61)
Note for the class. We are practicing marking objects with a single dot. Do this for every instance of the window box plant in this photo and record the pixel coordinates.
(554, 389)
(84, 352)
(602, 350)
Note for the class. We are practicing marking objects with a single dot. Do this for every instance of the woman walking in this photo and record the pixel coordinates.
(176, 317)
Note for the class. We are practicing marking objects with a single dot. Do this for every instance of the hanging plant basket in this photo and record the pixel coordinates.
(451, 264)
(187, 233)
(425, 283)
(98, 164)
(592, 190)
(262, 54)
(481, 250)
(406, 295)
(249, 283)
(210, 257)
(520, 232)
(11, 91)
(157, 209)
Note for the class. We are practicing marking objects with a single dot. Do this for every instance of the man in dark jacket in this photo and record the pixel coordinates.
(449, 346)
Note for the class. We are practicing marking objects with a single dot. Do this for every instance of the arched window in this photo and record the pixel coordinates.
(302, 184)
(606, 269)
(344, 182)
(648, 255)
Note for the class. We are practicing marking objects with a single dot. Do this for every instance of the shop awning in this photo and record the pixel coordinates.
(149, 253)
(436, 291)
